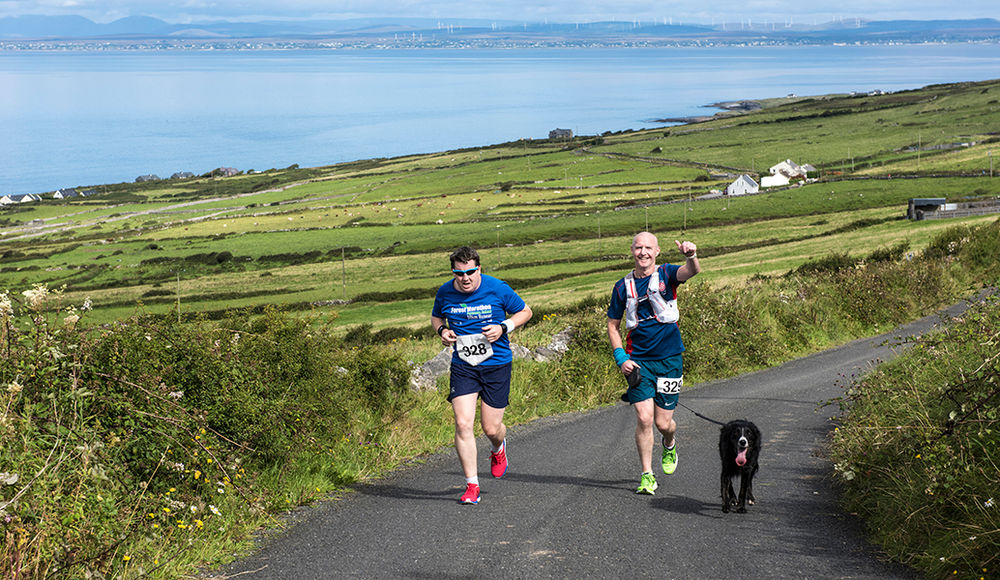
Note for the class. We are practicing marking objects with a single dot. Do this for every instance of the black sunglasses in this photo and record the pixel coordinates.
(468, 272)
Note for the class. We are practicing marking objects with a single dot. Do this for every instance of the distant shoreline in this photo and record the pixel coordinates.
(726, 107)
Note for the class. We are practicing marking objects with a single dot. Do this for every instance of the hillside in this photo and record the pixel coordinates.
(368, 240)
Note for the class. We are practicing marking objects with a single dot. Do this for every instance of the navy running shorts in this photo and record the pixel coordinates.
(492, 382)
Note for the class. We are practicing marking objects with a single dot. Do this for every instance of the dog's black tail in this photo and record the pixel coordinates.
(697, 414)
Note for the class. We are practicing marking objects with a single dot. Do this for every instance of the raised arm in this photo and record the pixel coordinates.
(691, 265)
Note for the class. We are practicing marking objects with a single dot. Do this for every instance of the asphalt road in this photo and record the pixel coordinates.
(567, 509)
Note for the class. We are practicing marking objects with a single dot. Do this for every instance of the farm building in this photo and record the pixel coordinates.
(930, 208)
(561, 134)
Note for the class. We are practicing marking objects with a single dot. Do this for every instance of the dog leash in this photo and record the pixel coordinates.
(700, 415)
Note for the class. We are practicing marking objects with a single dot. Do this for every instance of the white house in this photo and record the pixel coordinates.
(743, 185)
(65, 193)
(788, 168)
(784, 172)
(19, 198)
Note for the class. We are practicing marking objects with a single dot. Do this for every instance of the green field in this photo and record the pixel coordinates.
(538, 210)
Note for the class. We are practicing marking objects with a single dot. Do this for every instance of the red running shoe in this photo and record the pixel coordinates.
(498, 461)
(471, 495)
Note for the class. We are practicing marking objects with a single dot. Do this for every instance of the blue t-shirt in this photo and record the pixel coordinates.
(651, 339)
(469, 313)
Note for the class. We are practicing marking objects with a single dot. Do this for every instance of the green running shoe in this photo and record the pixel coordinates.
(647, 484)
(669, 460)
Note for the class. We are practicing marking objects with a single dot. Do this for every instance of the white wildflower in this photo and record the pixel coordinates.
(15, 387)
(36, 296)
(214, 510)
(6, 308)
(8, 478)
(87, 304)
(989, 503)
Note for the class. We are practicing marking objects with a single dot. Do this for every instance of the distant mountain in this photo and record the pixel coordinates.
(386, 31)
(17, 27)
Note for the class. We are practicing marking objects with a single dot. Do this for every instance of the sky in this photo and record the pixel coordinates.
(671, 11)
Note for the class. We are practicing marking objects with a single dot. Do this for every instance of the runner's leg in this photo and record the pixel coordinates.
(493, 425)
(666, 425)
(465, 437)
(644, 433)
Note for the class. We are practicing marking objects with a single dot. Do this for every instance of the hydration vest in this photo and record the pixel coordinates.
(664, 310)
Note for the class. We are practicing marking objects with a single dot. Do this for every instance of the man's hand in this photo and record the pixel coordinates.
(687, 248)
(448, 337)
(492, 332)
(628, 365)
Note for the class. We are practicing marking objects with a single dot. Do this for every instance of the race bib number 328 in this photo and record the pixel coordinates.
(669, 385)
(473, 348)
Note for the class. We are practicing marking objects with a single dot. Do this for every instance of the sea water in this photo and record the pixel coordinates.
(70, 119)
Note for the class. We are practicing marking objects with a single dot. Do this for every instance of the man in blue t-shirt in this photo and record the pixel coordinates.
(475, 314)
(651, 355)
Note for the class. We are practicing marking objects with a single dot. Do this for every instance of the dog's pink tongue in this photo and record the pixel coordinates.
(741, 459)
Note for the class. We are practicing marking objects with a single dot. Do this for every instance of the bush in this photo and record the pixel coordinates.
(831, 263)
(891, 254)
(948, 243)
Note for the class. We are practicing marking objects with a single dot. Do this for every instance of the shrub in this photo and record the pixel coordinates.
(891, 254)
(948, 243)
(831, 263)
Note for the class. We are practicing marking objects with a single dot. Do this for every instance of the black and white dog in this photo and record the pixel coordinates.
(739, 446)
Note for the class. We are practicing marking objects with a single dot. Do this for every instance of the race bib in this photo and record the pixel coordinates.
(473, 348)
(669, 385)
